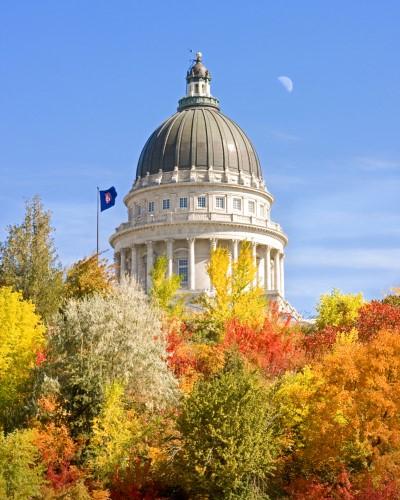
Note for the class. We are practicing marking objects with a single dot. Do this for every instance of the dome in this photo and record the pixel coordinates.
(199, 136)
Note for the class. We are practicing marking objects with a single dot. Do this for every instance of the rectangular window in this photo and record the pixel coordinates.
(183, 271)
(139, 210)
(237, 204)
(261, 210)
(183, 202)
(151, 206)
(166, 204)
(251, 207)
(220, 202)
(201, 202)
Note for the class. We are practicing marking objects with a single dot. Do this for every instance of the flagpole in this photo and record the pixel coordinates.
(97, 232)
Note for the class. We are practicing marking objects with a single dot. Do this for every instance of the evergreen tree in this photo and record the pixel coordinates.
(28, 260)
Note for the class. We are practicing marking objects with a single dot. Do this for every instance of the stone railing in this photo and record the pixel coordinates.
(178, 217)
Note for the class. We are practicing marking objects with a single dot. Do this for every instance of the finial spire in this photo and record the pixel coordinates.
(198, 89)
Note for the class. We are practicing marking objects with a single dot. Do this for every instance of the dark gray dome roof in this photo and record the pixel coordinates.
(201, 136)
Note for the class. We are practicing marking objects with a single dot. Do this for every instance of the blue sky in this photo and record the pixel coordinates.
(83, 84)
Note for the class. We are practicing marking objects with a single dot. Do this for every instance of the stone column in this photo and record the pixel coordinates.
(282, 273)
(170, 256)
(134, 273)
(254, 254)
(192, 264)
(235, 250)
(122, 269)
(277, 269)
(267, 269)
(149, 264)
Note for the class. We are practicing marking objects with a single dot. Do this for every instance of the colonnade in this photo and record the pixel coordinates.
(270, 258)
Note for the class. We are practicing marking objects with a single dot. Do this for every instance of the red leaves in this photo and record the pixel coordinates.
(40, 358)
(376, 316)
(272, 348)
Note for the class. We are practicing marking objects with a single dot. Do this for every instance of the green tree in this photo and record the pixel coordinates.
(28, 260)
(98, 340)
(163, 291)
(338, 309)
(227, 431)
(88, 276)
(21, 337)
(21, 472)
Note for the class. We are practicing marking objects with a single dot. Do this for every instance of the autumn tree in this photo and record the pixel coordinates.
(376, 316)
(342, 413)
(21, 338)
(102, 339)
(338, 310)
(235, 296)
(164, 288)
(88, 276)
(28, 260)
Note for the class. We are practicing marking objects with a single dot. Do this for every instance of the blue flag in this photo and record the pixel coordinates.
(107, 198)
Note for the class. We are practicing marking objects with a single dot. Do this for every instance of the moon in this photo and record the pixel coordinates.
(286, 83)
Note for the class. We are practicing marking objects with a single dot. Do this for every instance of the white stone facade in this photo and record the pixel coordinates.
(199, 185)
(185, 217)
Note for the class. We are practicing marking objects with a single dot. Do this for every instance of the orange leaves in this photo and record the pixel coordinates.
(57, 450)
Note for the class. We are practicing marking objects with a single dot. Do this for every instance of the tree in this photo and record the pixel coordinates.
(21, 338)
(164, 288)
(21, 472)
(28, 260)
(227, 434)
(235, 293)
(377, 316)
(339, 310)
(272, 348)
(114, 431)
(88, 276)
(343, 413)
(102, 339)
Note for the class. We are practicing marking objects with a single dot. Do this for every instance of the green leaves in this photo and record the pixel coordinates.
(227, 433)
(28, 260)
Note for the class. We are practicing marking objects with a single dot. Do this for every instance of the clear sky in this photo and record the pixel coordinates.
(84, 83)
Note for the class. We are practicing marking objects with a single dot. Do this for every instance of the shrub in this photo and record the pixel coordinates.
(99, 340)
(227, 435)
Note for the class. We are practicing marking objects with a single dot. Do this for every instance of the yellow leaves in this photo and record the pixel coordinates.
(21, 336)
(236, 296)
(337, 309)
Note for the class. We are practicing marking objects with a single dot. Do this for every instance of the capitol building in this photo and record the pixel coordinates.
(199, 185)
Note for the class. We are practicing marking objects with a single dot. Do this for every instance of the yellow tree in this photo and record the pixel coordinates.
(164, 288)
(338, 309)
(236, 296)
(21, 338)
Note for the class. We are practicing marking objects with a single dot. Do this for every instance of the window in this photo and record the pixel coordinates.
(151, 206)
(261, 210)
(220, 202)
(183, 271)
(201, 202)
(166, 204)
(251, 206)
(139, 210)
(183, 202)
(237, 204)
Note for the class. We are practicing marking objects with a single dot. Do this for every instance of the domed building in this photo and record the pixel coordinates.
(199, 185)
